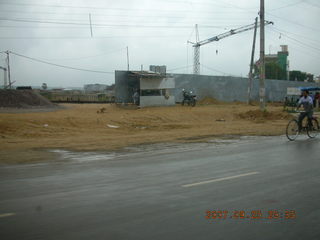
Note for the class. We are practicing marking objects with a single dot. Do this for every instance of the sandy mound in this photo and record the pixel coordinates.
(266, 115)
(23, 99)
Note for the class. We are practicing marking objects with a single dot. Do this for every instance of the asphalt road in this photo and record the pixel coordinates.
(165, 191)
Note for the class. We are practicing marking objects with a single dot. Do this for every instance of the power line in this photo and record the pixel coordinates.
(122, 15)
(302, 43)
(101, 8)
(302, 36)
(86, 57)
(312, 4)
(293, 22)
(82, 20)
(178, 68)
(85, 27)
(288, 5)
(58, 65)
(92, 38)
(106, 25)
(307, 52)
(215, 70)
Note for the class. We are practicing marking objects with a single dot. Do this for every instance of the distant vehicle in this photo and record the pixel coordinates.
(188, 98)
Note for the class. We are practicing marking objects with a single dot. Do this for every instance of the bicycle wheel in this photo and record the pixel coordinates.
(313, 130)
(292, 130)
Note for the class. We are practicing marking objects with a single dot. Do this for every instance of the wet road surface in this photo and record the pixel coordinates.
(266, 188)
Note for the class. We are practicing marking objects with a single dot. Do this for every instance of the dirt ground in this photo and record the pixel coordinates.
(85, 127)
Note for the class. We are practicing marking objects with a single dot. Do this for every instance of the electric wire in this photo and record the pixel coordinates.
(215, 70)
(106, 25)
(178, 68)
(59, 65)
(293, 39)
(298, 35)
(293, 22)
(85, 57)
(288, 5)
(102, 8)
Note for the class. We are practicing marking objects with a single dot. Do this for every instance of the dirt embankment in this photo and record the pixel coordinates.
(85, 127)
(23, 99)
(263, 116)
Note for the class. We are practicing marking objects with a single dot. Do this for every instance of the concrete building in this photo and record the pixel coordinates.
(158, 69)
(154, 89)
(281, 58)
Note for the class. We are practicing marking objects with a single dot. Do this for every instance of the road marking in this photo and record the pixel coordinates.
(6, 215)
(219, 179)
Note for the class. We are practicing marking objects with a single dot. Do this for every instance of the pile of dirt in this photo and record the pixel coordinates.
(208, 101)
(23, 99)
(255, 115)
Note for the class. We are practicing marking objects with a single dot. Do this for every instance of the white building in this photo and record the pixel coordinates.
(154, 89)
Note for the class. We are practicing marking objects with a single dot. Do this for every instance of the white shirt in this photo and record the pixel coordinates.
(304, 100)
(307, 103)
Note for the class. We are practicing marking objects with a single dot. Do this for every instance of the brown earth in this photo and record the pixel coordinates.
(25, 99)
(85, 128)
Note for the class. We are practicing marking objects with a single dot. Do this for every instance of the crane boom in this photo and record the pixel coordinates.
(217, 38)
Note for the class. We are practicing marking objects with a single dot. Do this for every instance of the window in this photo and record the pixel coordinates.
(151, 92)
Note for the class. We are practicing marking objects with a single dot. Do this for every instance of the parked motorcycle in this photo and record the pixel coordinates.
(189, 98)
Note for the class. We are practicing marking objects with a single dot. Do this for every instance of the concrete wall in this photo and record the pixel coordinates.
(223, 88)
(229, 89)
(124, 86)
(146, 101)
(157, 83)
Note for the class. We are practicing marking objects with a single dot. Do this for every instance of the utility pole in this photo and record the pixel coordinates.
(8, 68)
(252, 60)
(128, 57)
(262, 91)
(5, 84)
(90, 25)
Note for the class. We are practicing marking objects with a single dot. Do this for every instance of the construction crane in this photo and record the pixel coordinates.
(198, 44)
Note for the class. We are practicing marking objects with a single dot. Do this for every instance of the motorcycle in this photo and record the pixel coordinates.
(188, 98)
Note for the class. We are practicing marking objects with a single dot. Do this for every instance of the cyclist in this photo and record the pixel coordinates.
(307, 103)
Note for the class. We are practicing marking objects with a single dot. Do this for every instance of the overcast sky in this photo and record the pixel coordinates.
(156, 33)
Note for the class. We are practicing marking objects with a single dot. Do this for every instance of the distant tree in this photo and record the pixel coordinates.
(44, 86)
(297, 76)
(310, 77)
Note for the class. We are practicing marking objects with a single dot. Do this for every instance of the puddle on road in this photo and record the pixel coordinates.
(83, 156)
(159, 148)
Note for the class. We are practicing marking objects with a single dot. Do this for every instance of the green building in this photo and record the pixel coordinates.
(277, 65)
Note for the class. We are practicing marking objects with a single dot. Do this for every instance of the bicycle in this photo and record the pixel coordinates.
(292, 130)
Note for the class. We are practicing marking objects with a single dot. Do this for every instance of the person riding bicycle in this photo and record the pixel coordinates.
(307, 103)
